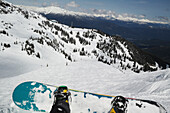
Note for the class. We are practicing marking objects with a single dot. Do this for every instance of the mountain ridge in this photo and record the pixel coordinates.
(59, 10)
(149, 36)
(72, 43)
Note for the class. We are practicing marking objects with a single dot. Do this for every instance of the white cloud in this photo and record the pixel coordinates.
(103, 12)
(72, 4)
(127, 17)
(142, 16)
(99, 11)
(55, 4)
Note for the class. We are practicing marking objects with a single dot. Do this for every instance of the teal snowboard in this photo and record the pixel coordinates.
(36, 96)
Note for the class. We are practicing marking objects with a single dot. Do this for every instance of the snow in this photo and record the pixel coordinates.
(125, 49)
(94, 77)
(58, 10)
(85, 74)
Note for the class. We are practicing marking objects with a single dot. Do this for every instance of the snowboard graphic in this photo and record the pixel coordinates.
(33, 96)
(36, 96)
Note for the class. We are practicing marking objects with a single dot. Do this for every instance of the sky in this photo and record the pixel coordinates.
(157, 10)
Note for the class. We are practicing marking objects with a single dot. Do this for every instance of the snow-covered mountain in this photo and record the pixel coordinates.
(34, 48)
(150, 36)
(108, 15)
(29, 32)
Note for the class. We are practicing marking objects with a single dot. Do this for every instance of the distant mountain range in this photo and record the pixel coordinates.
(127, 29)
(151, 36)
(105, 15)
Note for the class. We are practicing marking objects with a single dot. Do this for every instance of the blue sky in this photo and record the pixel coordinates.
(150, 9)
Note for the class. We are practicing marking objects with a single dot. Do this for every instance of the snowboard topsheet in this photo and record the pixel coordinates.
(36, 96)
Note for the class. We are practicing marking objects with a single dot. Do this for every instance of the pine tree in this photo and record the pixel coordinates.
(134, 64)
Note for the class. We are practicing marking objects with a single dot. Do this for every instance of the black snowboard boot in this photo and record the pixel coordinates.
(61, 103)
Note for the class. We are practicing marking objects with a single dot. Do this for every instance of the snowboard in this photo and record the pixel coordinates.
(36, 96)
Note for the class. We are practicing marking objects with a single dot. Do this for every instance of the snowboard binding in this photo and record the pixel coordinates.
(62, 93)
(119, 104)
(61, 103)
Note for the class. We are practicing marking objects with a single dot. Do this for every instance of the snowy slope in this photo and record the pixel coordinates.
(29, 33)
(33, 48)
(102, 81)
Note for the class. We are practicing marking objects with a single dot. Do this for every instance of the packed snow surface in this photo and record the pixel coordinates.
(95, 77)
